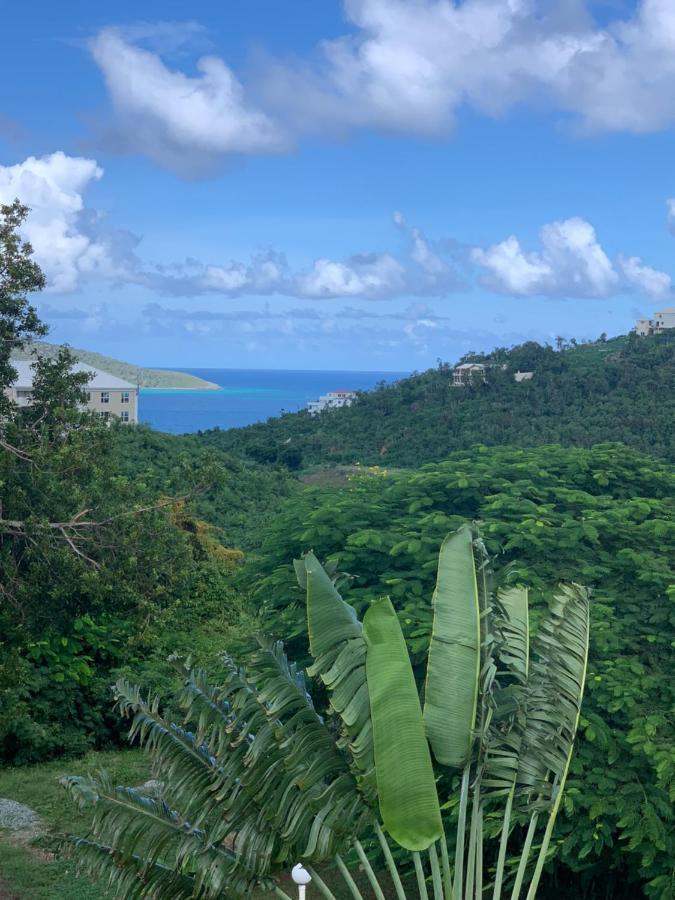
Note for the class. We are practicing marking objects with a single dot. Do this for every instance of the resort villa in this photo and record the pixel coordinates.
(107, 396)
(331, 400)
(468, 373)
(476, 373)
(662, 321)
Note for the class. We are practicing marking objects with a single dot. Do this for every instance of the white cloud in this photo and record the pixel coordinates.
(411, 64)
(52, 187)
(374, 276)
(72, 243)
(406, 66)
(570, 263)
(657, 285)
(180, 121)
(670, 213)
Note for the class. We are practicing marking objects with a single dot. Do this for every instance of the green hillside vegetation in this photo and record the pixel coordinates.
(618, 390)
(122, 545)
(603, 517)
(164, 379)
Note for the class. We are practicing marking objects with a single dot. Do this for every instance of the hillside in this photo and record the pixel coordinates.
(158, 379)
(618, 390)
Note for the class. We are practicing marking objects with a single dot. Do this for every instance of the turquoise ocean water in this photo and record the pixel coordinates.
(246, 396)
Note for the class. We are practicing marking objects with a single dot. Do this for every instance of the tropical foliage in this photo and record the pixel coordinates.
(604, 517)
(103, 556)
(255, 778)
(620, 390)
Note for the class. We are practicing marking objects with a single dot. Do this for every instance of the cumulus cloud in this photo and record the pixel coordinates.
(53, 187)
(73, 243)
(413, 63)
(570, 263)
(405, 65)
(655, 284)
(183, 122)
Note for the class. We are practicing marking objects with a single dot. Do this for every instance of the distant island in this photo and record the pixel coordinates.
(150, 379)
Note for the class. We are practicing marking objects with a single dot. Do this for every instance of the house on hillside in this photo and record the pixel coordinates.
(468, 373)
(331, 400)
(107, 396)
(662, 321)
(522, 376)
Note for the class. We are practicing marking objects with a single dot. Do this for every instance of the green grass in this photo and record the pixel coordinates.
(39, 870)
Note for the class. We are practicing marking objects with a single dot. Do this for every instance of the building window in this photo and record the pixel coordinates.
(124, 397)
(88, 395)
(105, 396)
(124, 415)
(24, 395)
(105, 416)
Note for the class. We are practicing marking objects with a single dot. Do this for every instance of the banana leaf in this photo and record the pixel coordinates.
(405, 777)
(453, 667)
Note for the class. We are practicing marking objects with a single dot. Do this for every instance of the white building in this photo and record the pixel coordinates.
(331, 400)
(522, 376)
(468, 373)
(662, 321)
(107, 395)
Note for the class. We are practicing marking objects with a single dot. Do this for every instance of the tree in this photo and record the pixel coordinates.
(259, 780)
(90, 556)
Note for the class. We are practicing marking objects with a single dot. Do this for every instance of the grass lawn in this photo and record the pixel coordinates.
(36, 870)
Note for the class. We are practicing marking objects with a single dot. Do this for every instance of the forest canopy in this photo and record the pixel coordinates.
(580, 395)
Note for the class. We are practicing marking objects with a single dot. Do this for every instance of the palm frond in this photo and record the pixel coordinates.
(339, 650)
(555, 690)
(132, 878)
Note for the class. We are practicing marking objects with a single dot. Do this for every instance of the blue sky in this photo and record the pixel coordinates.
(370, 184)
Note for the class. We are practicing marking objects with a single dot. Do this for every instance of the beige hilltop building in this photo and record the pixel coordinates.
(107, 396)
(662, 321)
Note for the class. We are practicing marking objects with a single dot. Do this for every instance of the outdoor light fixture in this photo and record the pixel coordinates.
(302, 878)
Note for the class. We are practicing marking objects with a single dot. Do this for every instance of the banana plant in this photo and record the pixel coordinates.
(256, 778)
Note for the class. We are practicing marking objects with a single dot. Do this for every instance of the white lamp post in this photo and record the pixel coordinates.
(302, 878)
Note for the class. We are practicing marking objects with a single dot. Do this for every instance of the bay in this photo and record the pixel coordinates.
(246, 396)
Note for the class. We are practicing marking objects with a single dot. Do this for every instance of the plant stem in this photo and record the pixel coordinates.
(447, 876)
(280, 893)
(471, 856)
(503, 842)
(372, 878)
(461, 828)
(421, 880)
(479, 853)
(321, 884)
(346, 874)
(391, 865)
(524, 857)
(435, 873)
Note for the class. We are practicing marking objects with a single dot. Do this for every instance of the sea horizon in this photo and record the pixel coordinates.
(246, 396)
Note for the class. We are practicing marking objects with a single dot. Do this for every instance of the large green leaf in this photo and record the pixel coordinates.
(330, 621)
(510, 624)
(555, 691)
(453, 666)
(405, 778)
(339, 650)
